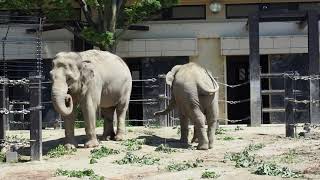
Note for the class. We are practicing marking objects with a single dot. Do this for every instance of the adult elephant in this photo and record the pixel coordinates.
(91, 79)
(195, 94)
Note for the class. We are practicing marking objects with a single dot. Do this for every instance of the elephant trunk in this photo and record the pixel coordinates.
(62, 101)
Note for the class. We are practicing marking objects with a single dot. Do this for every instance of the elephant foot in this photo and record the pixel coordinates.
(119, 137)
(70, 143)
(210, 145)
(194, 140)
(107, 137)
(91, 143)
(184, 140)
(70, 146)
(203, 146)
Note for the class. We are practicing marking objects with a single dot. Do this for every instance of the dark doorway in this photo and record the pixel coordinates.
(135, 109)
(238, 73)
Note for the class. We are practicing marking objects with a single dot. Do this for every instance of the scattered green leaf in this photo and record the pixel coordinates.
(134, 159)
(100, 153)
(165, 148)
(79, 174)
(184, 165)
(133, 144)
(209, 175)
(60, 151)
(271, 169)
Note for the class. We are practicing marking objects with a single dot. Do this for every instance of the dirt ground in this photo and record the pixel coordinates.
(307, 158)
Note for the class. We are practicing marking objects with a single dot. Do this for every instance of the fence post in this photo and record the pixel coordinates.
(289, 104)
(4, 117)
(36, 118)
(162, 98)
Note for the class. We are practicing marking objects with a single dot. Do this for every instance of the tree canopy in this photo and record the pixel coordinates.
(104, 20)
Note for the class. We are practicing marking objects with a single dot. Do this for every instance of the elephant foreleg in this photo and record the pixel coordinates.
(89, 113)
(70, 142)
(121, 115)
(108, 130)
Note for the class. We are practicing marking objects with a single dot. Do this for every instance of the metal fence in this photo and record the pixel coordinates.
(26, 74)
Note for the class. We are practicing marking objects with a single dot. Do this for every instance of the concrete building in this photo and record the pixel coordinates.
(214, 33)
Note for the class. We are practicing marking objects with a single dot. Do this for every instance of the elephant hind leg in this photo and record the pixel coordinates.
(212, 115)
(121, 115)
(108, 130)
(184, 125)
(199, 120)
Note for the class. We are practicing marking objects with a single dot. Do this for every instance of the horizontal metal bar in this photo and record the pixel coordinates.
(277, 92)
(281, 110)
(272, 75)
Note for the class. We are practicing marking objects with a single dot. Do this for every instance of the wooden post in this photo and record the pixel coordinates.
(254, 64)
(162, 98)
(289, 104)
(3, 117)
(36, 118)
(313, 52)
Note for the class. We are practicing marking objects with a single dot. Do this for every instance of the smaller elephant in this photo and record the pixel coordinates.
(195, 94)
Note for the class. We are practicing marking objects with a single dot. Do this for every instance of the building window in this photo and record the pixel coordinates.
(237, 11)
(186, 12)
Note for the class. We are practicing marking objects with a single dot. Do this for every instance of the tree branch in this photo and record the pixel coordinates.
(87, 13)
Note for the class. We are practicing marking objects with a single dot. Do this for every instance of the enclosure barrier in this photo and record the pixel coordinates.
(9, 79)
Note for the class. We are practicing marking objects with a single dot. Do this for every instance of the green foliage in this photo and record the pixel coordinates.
(165, 148)
(134, 144)
(228, 138)
(134, 159)
(2, 158)
(243, 159)
(238, 128)
(271, 169)
(220, 131)
(100, 153)
(254, 147)
(209, 175)
(60, 151)
(141, 10)
(184, 165)
(97, 29)
(290, 157)
(79, 174)
(100, 38)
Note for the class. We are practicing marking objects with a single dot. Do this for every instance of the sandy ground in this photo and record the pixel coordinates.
(307, 159)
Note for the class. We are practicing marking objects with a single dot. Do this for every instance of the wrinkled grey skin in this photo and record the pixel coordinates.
(91, 79)
(195, 94)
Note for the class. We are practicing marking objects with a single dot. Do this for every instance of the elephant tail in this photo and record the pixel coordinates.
(207, 90)
(172, 104)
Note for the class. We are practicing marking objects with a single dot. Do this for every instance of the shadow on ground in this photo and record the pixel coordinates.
(50, 144)
(155, 141)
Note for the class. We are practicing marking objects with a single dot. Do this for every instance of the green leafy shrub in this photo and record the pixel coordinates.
(209, 175)
(184, 165)
(134, 159)
(242, 159)
(2, 158)
(165, 148)
(271, 169)
(289, 157)
(220, 131)
(100, 153)
(134, 144)
(79, 174)
(254, 147)
(60, 151)
(238, 128)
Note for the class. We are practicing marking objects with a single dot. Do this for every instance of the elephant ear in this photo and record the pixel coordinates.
(170, 75)
(87, 74)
